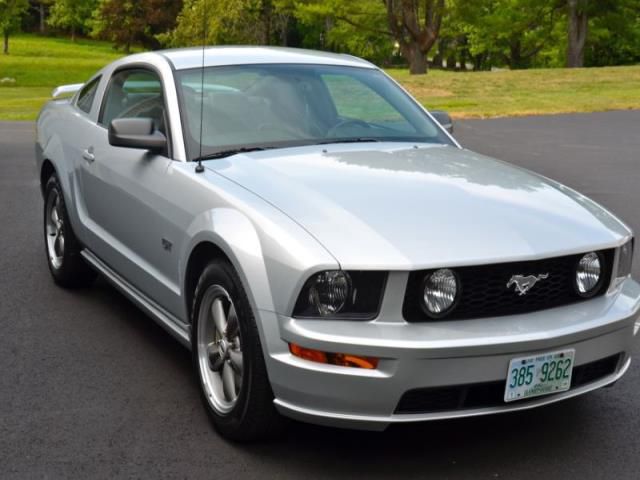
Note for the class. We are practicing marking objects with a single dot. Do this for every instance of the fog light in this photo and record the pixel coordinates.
(341, 359)
(440, 292)
(588, 274)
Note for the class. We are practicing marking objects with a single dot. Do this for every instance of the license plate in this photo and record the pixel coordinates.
(539, 375)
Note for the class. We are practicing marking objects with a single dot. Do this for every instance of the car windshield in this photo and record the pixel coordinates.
(246, 107)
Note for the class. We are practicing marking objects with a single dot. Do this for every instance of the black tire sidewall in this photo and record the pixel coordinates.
(221, 273)
(73, 272)
(53, 185)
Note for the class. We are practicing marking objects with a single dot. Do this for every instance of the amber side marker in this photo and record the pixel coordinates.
(341, 359)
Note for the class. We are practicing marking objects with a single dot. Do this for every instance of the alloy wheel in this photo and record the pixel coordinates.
(54, 229)
(219, 349)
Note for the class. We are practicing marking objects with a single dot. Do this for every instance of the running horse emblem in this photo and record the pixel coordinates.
(524, 284)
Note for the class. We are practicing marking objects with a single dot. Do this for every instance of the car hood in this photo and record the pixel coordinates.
(398, 206)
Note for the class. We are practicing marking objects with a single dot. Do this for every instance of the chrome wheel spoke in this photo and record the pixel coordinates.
(228, 382)
(55, 241)
(55, 218)
(232, 323)
(235, 358)
(219, 317)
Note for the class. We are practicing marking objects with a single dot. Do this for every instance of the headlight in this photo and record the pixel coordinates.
(340, 294)
(440, 292)
(329, 292)
(588, 274)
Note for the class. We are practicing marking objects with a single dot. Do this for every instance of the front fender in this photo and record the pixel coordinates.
(272, 255)
(235, 235)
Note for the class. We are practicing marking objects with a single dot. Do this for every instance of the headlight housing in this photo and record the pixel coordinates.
(341, 294)
(624, 263)
(440, 292)
(589, 274)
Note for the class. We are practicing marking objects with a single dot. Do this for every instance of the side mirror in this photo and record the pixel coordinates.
(443, 119)
(136, 133)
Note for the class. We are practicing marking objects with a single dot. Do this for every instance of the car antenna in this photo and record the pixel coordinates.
(199, 167)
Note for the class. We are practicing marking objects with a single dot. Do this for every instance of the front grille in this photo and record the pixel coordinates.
(491, 394)
(484, 291)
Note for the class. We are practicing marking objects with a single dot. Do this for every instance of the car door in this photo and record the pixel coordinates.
(122, 188)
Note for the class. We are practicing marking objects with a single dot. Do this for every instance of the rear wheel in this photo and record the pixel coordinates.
(66, 265)
(228, 359)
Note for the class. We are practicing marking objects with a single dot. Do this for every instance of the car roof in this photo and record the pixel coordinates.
(185, 58)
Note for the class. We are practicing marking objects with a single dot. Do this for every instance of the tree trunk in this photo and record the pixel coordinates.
(265, 13)
(481, 62)
(5, 49)
(464, 55)
(578, 25)
(417, 60)
(73, 33)
(516, 62)
(415, 35)
(42, 23)
(451, 61)
(283, 31)
(438, 58)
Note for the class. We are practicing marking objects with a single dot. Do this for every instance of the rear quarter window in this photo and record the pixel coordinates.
(87, 95)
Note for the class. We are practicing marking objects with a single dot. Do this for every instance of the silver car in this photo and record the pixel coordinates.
(324, 247)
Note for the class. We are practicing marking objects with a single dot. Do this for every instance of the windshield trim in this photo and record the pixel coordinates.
(281, 145)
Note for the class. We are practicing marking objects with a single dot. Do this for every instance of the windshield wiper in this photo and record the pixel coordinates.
(228, 153)
(348, 140)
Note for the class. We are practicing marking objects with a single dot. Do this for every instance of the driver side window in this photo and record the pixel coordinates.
(134, 94)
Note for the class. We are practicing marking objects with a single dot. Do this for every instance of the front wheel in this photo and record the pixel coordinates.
(228, 358)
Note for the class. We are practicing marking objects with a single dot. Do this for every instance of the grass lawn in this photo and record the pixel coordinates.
(39, 64)
(525, 92)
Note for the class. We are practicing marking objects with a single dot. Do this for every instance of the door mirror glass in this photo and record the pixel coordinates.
(443, 119)
(136, 133)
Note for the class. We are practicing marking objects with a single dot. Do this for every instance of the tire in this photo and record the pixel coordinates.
(62, 248)
(244, 411)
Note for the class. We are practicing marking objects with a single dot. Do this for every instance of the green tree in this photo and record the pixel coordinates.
(11, 12)
(74, 15)
(134, 21)
(411, 26)
(613, 24)
(41, 8)
(357, 26)
(227, 22)
(506, 32)
(614, 35)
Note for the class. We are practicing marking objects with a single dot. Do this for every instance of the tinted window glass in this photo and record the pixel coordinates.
(87, 95)
(134, 94)
(355, 100)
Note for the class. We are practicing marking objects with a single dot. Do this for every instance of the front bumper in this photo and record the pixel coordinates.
(437, 354)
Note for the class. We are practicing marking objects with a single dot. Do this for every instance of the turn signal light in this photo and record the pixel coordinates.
(341, 359)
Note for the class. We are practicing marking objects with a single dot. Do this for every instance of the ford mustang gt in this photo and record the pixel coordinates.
(324, 246)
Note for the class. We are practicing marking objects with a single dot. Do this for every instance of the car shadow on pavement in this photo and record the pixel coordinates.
(500, 443)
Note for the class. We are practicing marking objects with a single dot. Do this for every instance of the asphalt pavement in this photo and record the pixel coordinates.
(91, 388)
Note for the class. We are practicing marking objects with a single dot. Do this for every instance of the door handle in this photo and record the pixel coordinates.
(88, 155)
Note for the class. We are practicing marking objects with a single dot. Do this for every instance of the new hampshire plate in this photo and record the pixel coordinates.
(540, 374)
